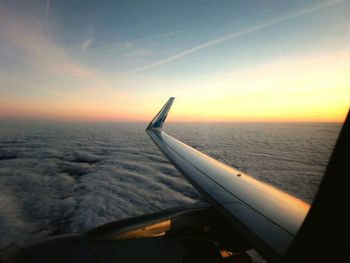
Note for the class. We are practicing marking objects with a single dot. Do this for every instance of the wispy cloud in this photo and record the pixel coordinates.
(23, 37)
(47, 8)
(46, 64)
(234, 35)
(87, 44)
(130, 43)
(155, 36)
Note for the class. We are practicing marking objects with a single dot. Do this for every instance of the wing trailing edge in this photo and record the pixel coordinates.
(269, 218)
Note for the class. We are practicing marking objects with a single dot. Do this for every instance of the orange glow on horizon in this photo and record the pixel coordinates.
(311, 89)
(84, 114)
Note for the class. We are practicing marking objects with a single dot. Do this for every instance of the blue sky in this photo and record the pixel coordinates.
(59, 59)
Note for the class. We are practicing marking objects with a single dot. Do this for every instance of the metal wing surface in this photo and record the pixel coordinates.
(268, 217)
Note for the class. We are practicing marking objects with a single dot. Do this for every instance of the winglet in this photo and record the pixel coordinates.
(159, 119)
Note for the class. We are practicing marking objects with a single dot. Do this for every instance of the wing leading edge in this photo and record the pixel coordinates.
(266, 216)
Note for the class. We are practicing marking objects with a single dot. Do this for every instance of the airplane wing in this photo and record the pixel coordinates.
(269, 218)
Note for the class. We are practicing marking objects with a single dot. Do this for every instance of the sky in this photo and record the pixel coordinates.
(224, 61)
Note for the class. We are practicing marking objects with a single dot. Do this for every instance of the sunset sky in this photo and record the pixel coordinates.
(228, 60)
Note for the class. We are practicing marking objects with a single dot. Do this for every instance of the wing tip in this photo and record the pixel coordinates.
(159, 119)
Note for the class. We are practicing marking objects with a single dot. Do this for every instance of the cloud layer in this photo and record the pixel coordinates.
(65, 178)
(75, 178)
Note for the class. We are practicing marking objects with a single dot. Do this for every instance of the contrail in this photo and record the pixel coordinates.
(232, 36)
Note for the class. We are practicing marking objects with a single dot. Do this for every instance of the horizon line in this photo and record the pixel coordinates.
(34, 120)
